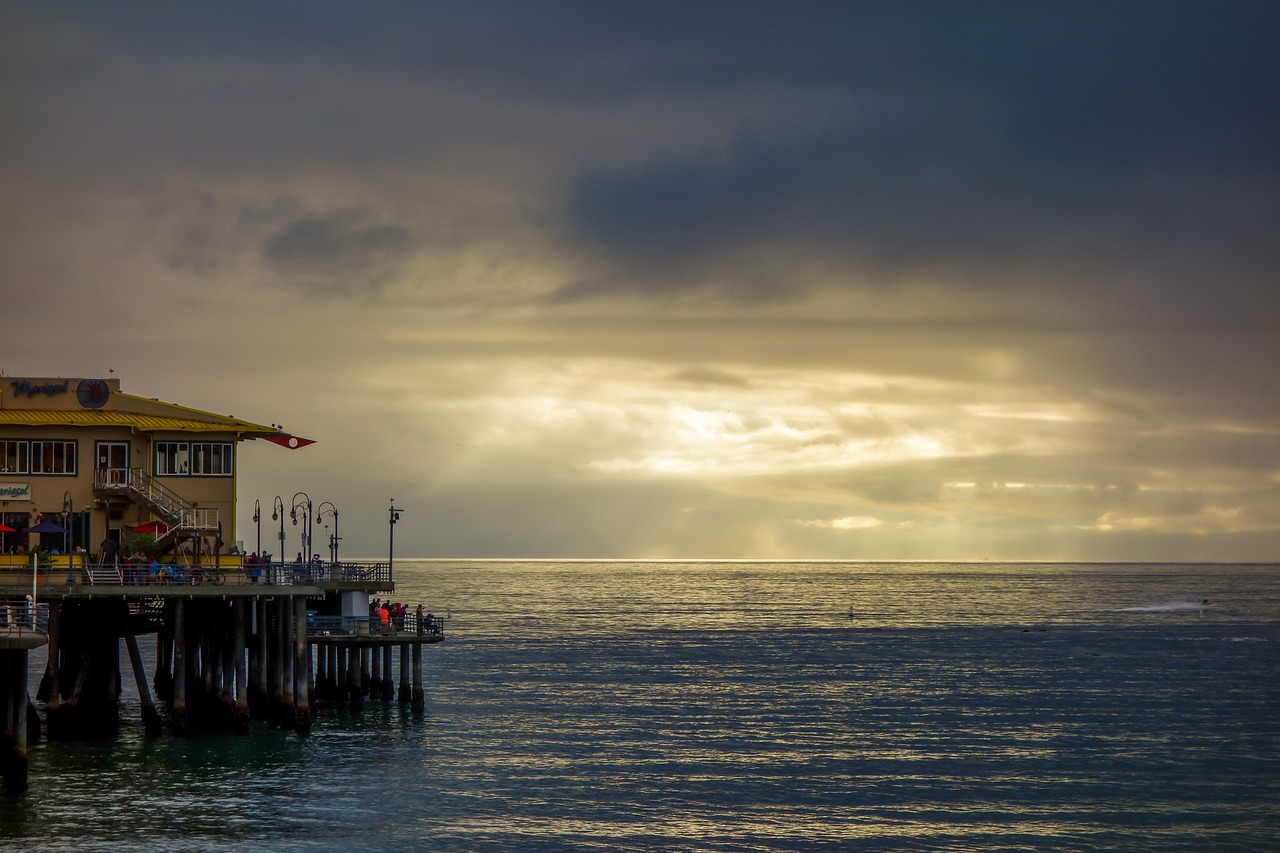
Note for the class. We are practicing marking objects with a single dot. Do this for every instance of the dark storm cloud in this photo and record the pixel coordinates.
(337, 250)
(348, 250)
(1113, 143)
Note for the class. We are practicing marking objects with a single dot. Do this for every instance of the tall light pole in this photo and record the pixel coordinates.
(335, 538)
(393, 517)
(84, 529)
(67, 507)
(277, 513)
(305, 506)
(257, 519)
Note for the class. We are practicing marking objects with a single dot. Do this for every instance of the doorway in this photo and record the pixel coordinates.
(113, 462)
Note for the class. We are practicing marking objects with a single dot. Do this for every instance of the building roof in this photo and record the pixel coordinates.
(89, 403)
(193, 422)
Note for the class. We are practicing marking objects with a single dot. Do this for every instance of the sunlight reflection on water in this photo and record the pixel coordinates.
(737, 707)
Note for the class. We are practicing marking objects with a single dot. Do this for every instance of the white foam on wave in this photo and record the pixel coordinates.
(1170, 607)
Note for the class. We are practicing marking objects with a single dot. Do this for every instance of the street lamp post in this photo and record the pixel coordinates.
(277, 514)
(394, 516)
(67, 507)
(334, 538)
(305, 506)
(257, 519)
(84, 529)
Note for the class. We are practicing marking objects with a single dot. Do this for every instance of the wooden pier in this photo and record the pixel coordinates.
(233, 645)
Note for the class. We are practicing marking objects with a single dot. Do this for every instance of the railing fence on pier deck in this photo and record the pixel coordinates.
(409, 626)
(19, 616)
(73, 570)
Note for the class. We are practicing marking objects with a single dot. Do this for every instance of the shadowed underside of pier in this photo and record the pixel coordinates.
(224, 658)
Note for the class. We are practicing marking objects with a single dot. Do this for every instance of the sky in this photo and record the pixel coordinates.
(823, 280)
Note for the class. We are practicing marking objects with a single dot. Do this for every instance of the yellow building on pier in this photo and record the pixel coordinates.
(98, 463)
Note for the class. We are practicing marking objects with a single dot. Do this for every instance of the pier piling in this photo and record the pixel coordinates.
(150, 716)
(13, 746)
(419, 699)
(302, 688)
(240, 718)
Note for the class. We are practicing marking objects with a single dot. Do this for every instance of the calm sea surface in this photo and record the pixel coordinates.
(740, 706)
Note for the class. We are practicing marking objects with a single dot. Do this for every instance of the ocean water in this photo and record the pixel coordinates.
(746, 706)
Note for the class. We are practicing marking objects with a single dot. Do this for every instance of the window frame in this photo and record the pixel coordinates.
(41, 457)
(194, 459)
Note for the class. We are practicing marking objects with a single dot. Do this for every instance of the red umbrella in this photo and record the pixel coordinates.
(4, 528)
(155, 528)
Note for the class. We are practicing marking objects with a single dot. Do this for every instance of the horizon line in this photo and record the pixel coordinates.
(826, 560)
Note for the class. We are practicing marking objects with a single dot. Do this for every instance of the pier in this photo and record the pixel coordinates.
(234, 643)
(119, 516)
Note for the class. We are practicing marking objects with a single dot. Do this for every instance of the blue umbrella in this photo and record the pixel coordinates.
(46, 526)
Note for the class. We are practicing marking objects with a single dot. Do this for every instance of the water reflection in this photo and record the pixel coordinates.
(735, 707)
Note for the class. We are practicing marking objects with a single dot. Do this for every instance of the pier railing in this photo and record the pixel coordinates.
(408, 626)
(20, 617)
(69, 571)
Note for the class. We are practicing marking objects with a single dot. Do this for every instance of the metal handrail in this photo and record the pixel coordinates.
(234, 572)
(21, 616)
(431, 626)
(134, 480)
(313, 572)
(178, 512)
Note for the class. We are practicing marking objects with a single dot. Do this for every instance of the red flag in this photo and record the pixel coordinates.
(292, 442)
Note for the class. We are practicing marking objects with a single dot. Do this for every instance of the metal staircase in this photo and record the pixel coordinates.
(104, 573)
(183, 519)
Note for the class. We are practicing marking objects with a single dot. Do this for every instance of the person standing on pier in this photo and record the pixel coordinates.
(108, 551)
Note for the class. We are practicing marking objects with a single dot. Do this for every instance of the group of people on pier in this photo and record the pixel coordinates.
(391, 617)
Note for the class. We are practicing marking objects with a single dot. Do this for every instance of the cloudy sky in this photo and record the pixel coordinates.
(899, 280)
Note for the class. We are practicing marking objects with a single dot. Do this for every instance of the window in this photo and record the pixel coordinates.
(173, 458)
(40, 457)
(195, 459)
(211, 460)
(14, 457)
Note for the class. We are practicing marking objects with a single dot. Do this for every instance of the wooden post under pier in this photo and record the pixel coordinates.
(240, 715)
(163, 681)
(229, 662)
(259, 694)
(150, 716)
(388, 685)
(13, 741)
(288, 656)
(178, 705)
(419, 700)
(302, 686)
(50, 686)
(48, 690)
(337, 689)
(320, 679)
(375, 676)
(355, 696)
(404, 674)
(338, 673)
(281, 679)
